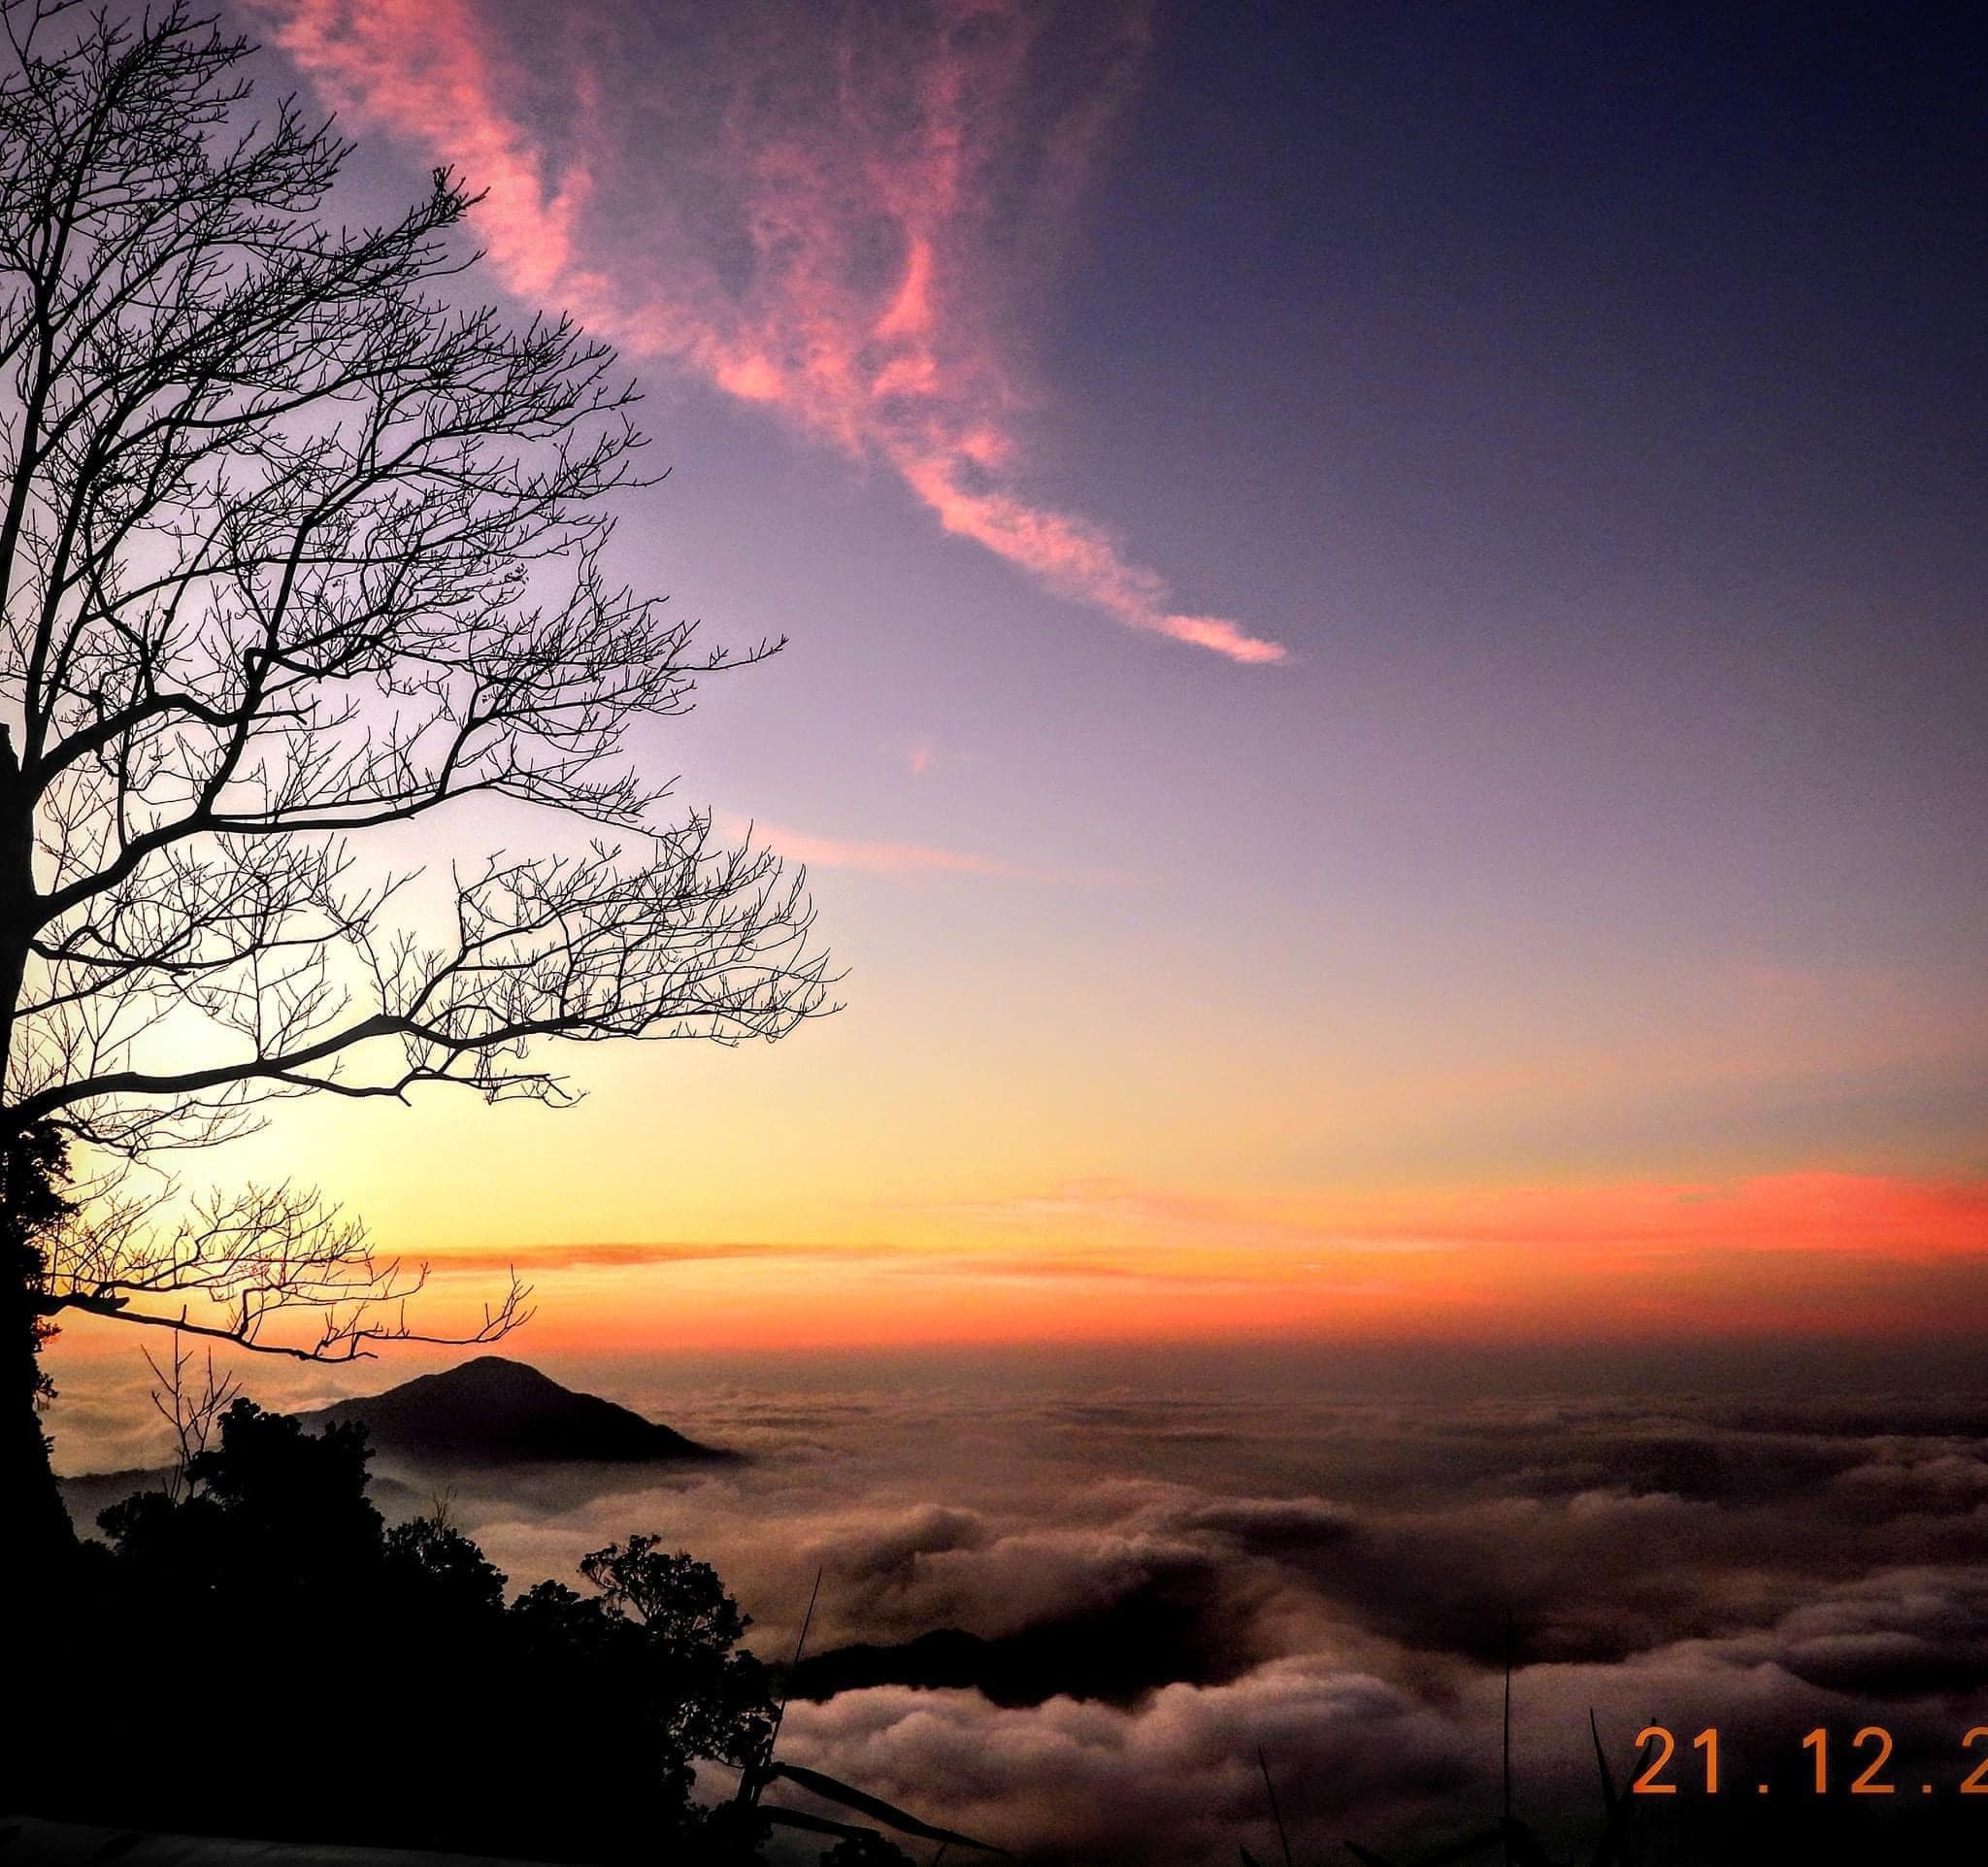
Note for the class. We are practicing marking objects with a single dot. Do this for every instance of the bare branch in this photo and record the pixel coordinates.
(190, 1412)
(244, 1268)
(295, 546)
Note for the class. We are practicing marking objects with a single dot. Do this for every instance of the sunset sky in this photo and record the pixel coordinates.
(1386, 672)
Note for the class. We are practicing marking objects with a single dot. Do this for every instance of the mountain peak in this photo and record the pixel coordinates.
(499, 1372)
(493, 1410)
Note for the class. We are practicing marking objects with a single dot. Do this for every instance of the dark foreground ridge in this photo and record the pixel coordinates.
(88, 1494)
(63, 1844)
(492, 1410)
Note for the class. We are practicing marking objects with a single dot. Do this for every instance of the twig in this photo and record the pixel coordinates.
(1276, 1813)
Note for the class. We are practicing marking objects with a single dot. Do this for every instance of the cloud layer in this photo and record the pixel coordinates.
(1330, 1577)
(845, 215)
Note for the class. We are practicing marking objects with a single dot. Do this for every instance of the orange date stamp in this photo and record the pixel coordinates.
(1870, 1759)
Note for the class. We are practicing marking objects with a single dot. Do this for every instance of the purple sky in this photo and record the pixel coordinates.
(1381, 601)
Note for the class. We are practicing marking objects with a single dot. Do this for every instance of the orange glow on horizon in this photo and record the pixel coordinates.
(1799, 1254)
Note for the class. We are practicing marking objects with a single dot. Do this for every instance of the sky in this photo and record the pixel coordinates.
(1384, 662)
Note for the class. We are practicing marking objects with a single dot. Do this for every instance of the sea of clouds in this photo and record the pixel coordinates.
(1168, 1580)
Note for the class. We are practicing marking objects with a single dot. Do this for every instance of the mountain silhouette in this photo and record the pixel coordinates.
(496, 1412)
(1162, 1632)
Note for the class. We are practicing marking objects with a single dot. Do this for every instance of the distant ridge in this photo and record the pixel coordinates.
(496, 1412)
(1162, 1633)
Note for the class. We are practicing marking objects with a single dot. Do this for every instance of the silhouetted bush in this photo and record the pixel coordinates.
(866, 1851)
(263, 1657)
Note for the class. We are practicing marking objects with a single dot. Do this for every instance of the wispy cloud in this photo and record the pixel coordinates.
(944, 1260)
(878, 858)
(540, 1260)
(1876, 1215)
(907, 860)
(841, 220)
(884, 858)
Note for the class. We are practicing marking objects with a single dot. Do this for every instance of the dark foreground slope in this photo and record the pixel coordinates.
(61, 1844)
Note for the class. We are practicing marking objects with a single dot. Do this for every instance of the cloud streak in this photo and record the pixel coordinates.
(885, 858)
(841, 219)
(1876, 1215)
(909, 860)
(541, 1260)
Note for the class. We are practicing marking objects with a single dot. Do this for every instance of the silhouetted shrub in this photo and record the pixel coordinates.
(263, 1657)
(866, 1851)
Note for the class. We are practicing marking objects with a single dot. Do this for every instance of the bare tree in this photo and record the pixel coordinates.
(298, 547)
(191, 1410)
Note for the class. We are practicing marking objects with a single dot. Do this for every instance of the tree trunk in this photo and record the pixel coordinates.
(39, 1531)
(38, 1548)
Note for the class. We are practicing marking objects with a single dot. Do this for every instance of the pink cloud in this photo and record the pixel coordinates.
(843, 223)
(882, 858)
(426, 68)
(909, 859)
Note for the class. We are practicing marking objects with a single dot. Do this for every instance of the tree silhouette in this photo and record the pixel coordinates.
(298, 548)
(562, 1727)
(715, 1709)
(866, 1850)
(32, 1163)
